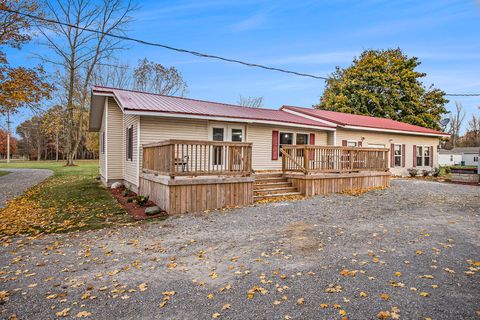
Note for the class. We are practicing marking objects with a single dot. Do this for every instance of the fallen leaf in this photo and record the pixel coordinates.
(301, 301)
(216, 315)
(226, 306)
(142, 286)
(83, 314)
(63, 313)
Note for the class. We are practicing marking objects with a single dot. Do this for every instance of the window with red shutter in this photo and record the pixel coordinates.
(274, 145)
(414, 156)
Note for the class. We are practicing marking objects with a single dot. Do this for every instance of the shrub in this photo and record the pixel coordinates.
(413, 172)
(126, 192)
(425, 173)
(140, 200)
(130, 200)
(448, 170)
(435, 172)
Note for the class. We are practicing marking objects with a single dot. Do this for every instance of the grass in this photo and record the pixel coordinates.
(72, 199)
(3, 173)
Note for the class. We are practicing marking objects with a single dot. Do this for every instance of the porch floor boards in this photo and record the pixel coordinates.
(270, 185)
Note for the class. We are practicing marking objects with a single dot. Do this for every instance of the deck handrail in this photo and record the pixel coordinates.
(176, 157)
(316, 159)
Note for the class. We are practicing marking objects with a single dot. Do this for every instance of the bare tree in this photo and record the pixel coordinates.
(456, 121)
(252, 102)
(153, 77)
(78, 52)
(113, 74)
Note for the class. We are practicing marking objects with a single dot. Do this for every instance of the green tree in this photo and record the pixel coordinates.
(384, 83)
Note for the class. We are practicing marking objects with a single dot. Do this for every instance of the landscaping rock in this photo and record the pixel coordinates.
(116, 185)
(150, 211)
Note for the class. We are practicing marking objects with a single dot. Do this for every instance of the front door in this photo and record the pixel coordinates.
(224, 132)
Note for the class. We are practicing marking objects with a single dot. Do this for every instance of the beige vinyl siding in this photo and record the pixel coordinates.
(154, 129)
(101, 156)
(387, 139)
(115, 137)
(261, 137)
(130, 167)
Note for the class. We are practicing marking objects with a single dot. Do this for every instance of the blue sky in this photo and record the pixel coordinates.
(305, 36)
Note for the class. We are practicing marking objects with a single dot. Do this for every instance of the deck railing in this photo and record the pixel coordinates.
(317, 159)
(195, 158)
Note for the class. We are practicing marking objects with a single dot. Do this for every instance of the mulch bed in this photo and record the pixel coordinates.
(137, 213)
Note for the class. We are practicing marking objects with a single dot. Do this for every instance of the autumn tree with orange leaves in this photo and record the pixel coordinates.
(19, 87)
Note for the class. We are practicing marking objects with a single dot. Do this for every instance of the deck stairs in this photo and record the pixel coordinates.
(272, 185)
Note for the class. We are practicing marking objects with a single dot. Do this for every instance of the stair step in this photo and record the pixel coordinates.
(277, 195)
(274, 191)
(268, 175)
(269, 180)
(272, 185)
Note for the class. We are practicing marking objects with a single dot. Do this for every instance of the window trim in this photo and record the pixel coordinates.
(102, 142)
(422, 156)
(294, 139)
(129, 143)
(352, 141)
(395, 156)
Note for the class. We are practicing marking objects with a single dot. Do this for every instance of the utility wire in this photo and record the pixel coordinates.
(195, 53)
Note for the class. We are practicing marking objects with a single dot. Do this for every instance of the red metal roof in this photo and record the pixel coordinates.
(347, 119)
(149, 102)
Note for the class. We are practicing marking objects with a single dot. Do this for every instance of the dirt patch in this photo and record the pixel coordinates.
(137, 213)
(301, 237)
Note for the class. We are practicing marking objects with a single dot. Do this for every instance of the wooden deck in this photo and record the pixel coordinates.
(184, 176)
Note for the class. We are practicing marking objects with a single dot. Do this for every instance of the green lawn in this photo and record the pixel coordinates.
(3, 173)
(72, 199)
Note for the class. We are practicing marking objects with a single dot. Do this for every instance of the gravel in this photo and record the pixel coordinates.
(18, 180)
(289, 250)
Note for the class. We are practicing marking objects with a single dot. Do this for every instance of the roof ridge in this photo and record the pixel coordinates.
(184, 98)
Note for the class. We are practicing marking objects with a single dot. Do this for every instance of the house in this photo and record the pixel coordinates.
(410, 146)
(182, 151)
(467, 156)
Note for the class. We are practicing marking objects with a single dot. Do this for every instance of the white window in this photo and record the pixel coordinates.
(397, 154)
(352, 143)
(426, 156)
(129, 141)
(293, 138)
(375, 145)
(102, 142)
(286, 138)
(423, 156)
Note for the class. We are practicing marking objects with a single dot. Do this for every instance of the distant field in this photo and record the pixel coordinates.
(72, 199)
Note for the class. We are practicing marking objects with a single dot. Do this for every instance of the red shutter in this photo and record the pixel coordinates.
(359, 143)
(392, 158)
(274, 145)
(403, 155)
(431, 156)
(414, 155)
(311, 141)
(344, 143)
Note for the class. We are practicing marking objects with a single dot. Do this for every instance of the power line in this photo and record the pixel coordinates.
(195, 53)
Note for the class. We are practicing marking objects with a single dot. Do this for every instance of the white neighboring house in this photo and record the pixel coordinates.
(459, 156)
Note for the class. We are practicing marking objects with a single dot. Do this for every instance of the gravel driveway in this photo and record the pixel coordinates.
(410, 252)
(18, 180)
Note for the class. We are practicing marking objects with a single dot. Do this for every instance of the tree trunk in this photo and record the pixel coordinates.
(56, 151)
(8, 136)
